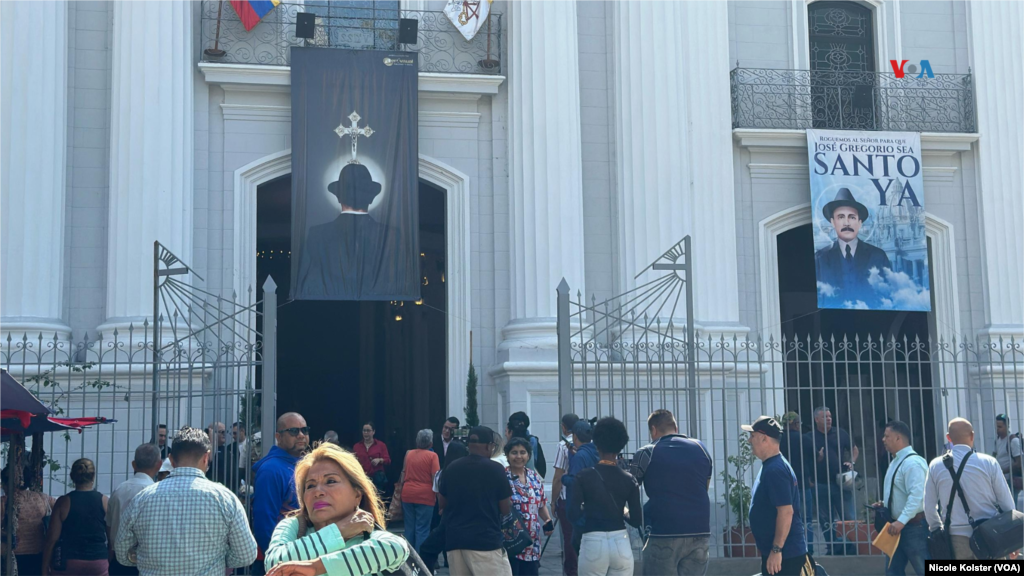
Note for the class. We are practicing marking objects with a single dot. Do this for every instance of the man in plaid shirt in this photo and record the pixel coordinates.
(186, 524)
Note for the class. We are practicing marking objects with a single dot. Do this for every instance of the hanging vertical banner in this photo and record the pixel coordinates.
(867, 202)
(355, 213)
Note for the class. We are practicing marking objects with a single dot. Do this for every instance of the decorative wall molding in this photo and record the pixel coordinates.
(256, 112)
(772, 171)
(446, 119)
(237, 76)
(457, 190)
(788, 139)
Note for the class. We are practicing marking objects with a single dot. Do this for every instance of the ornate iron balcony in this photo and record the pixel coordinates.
(440, 46)
(800, 99)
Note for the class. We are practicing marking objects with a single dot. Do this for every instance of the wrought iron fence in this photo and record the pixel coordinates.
(441, 47)
(632, 354)
(845, 100)
(205, 360)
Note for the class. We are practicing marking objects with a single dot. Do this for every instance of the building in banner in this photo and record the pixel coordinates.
(564, 140)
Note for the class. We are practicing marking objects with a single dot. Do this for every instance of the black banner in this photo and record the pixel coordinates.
(355, 213)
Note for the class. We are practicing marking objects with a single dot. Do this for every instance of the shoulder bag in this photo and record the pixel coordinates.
(939, 545)
(994, 538)
(883, 515)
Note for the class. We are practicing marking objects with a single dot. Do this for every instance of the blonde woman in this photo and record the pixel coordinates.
(335, 530)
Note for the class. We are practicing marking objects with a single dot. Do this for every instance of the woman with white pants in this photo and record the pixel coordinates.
(599, 498)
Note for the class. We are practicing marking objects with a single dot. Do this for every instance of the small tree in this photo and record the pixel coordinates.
(736, 488)
(472, 417)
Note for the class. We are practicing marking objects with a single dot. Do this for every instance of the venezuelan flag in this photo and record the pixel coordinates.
(251, 11)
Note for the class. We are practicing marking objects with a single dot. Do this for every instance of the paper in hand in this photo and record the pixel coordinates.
(886, 542)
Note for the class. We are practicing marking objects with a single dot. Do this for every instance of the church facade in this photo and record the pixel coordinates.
(597, 137)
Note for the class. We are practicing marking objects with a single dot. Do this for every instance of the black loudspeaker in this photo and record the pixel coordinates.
(305, 25)
(408, 29)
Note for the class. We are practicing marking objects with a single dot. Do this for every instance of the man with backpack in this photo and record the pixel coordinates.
(903, 501)
(1008, 453)
(518, 427)
(963, 477)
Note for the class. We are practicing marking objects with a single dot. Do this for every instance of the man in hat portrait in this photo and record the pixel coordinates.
(847, 263)
(339, 257)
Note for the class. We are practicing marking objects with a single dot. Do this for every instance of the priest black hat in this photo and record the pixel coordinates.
(845, 198)
(355, 187)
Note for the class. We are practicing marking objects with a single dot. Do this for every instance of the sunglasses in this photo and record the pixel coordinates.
(295, 431)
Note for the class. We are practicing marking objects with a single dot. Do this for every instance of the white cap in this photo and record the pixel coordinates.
(166, 466)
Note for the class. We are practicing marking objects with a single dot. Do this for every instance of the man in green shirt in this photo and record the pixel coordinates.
(904, 497)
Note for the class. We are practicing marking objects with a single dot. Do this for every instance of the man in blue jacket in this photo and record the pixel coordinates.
(274, 478)
(585, 457)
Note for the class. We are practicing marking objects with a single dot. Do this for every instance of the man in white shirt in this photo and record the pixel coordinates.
(983, 486)
(1008, 452)
(146, 466)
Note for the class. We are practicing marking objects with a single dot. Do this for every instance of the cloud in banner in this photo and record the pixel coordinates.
(826, 289)
(858, 305)
(898, 291)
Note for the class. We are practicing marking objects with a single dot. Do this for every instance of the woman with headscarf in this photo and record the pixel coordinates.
(79, 521)
(338, 528)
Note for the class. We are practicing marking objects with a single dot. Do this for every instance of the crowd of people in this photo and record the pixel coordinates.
(479, 504)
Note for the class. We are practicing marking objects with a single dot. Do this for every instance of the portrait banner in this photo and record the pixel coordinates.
(355, 188)
(867, 206)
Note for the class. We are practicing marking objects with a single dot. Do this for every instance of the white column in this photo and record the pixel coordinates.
(545, 165)
(708, 99)
(33, 167)
(151, 151)
(996, 62)
(654, 197)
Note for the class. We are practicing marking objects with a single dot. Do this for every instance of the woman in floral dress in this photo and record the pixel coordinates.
(529, 500)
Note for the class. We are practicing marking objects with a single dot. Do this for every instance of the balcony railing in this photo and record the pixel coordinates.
(440, 46)
(800, 99)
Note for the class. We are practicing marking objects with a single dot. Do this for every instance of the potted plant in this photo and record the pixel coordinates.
(738, 539)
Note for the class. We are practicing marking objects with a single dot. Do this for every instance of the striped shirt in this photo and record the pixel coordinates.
(356, 557)
(185, 525)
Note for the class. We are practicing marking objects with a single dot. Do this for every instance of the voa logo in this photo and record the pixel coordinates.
(926, 69)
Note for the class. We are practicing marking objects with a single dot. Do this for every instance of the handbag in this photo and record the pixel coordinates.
(395, 507)
(516, 533)
(939, 545)
(997, 537)
(57, 560)
(883, 515)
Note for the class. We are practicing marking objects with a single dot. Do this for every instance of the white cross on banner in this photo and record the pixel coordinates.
(468, 15)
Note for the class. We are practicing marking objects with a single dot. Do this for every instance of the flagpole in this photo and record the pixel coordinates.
(488, 63)
(216, 52)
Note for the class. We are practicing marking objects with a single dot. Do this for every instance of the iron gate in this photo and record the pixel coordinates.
(205, 359)
(631, 354)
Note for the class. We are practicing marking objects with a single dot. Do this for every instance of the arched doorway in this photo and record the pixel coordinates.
(342, 363)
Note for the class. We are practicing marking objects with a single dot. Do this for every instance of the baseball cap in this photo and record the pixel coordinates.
(766, 425)
(480, 435)
(583, 430)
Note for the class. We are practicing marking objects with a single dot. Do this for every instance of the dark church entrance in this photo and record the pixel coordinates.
(881, 371)
(343, 363)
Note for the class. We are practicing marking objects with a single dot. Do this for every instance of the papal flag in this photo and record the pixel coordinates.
(468, 15)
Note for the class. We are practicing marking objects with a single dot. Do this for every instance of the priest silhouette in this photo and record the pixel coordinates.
(340, 259)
